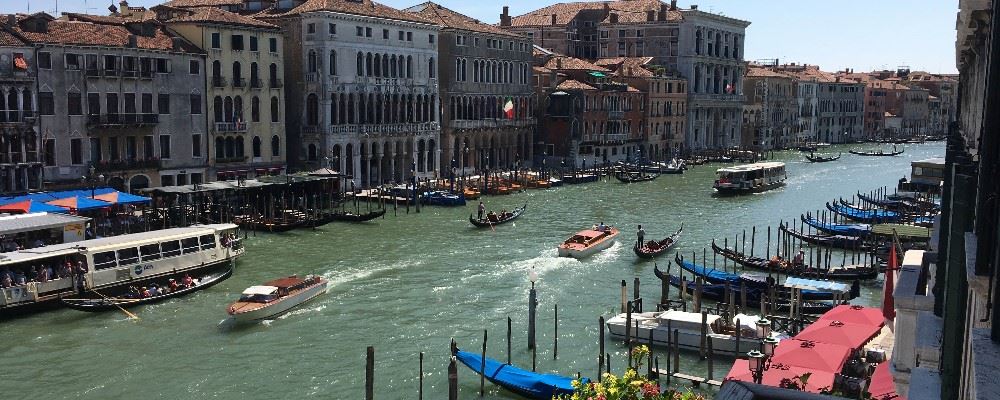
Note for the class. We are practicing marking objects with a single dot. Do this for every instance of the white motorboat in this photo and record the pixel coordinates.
(689, 327)
(276, 297)
(587, 242)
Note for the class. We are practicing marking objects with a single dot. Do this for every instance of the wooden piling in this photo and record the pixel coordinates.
(711, 357)
(635, 288)
(677, 351)
(704, 334)
(665, 287)
(508, 340)
(420, 389)
(452, 379)
(600, 344)
(753, 239)
(739, 335)
(482, 368)
(555, 331)
(697, 294)
(628, 330)
(624, 299)
(370, 373)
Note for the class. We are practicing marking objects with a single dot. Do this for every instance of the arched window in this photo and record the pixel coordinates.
(237, 72)
(333, 62)
(220, 147)
(254, 75)
(368, 64)
(311, 154)
(312, 61)
(409, 66)
(385, 66)
(230, 147)
(361, 65)
(274, 109)
(239, 146)
(238, 109)
(227, 109)
(255, 109)
(256, 146)
(430, 68)
(393, 67)
(275, 146)
(217, 106)
(378, 66)
(312, 110)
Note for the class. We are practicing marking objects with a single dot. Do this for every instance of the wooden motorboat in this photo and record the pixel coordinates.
(587, 242)
(113, 303)
(878, 153)
(276, 297)
(689, 327)
(258, 223)
(494, 219)
(820, 159)
(470, 193)
(655, 248)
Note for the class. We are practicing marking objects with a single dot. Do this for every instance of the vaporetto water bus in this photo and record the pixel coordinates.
(750, 178)
(114, 264)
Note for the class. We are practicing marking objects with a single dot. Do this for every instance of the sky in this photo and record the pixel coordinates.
(861, 34)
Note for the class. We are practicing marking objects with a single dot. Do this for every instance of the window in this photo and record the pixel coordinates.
(207, 242)
(194, 68)
(360, 31)
(311, 28)
(256, 146)
(275, 146)
(216, 40)
(274, 109)
(74, 103)
(638, 33)
(76, 151)
(368, 32)
(331, 28)
(163, 103)
(50, 152)
(333, 62)
(385, 34)
(195, 104)
(409, 36)
(170, 248)
(44, 60)
(46, 103)
(147, 103)
(272, 45)
(150, 252)
(128, 256)
(105, 260)
(190, 245)
(430, 68)
(72, 61)
(621, 33)
(237, 42)
(196, 145)
(165, 147)
(430, 38)
(162, 65)
(253, 43)
(93, 103)
(255, 109)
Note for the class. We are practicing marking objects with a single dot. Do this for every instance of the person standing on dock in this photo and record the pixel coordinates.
(482, 210)
(641, 234)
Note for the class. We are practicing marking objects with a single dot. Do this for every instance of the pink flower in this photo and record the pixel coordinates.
(650, 390)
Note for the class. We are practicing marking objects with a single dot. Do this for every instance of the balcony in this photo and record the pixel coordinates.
(715, 97)
(256, 83)
(387, 129)
(130, 73)
(16, 157)
(147, 74)
(239, 82)
(17, 117)
(18, 74)
(110, 72)
(218, 81)
(126, 165)
(122, 120)
(275, 83)
(92, 73)
(237, 127)
(490, 123)
(616, 114)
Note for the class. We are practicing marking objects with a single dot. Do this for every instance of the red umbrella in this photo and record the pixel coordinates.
(854, 315)
(773, 376)
(836, 332)
(888, 308)
(819, 356)
(882, 386)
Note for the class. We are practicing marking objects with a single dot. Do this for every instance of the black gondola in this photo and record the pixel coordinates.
(109, 303)
(878, 153)
(485, 223)
(274, 225)
(348, 216)
(834, 241)
(817, 159)
(847, 273)
(717, 293)
(655, 248)
(626, 176)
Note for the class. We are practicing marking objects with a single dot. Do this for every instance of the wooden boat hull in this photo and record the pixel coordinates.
(602, 244)
(645, 252)
(872, 154)
(515, 214)
(578, 179)
(282, 306)
(527, 384)
(101, 304)
(737, 282)
(848, 274)
(837, 229)
(352, 217)
(820, 159)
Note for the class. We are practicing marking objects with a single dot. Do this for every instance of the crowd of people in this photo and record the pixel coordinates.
(153, 290)
(9, 244)
(43, 272)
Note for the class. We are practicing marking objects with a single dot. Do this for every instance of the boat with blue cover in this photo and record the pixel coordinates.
(529, 384)
(826, 240)
(716, 277)
(718, 293)
(837, 229)
(442, 198)
(863, 215)
(917, 217)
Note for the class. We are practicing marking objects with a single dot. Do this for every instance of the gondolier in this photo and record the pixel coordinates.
(482, 210)
(641, 234)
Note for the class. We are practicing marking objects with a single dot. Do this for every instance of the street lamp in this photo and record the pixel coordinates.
(763, 328)
(532, 304)
(760, 360)
(757, 360)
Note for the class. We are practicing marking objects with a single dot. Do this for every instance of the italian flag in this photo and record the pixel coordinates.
(508, 109)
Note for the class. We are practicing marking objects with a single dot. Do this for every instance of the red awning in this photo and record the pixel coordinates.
(882, 386)
(812, 355)
(773, 376)
(851, 314)
(836, 332)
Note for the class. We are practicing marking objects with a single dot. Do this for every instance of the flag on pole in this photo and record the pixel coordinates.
(508, 109)
(888, 308)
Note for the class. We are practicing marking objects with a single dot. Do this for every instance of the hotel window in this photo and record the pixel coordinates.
(193, 67)
(400, 35)
(272, 44)
(195, 104)
(311, 28)
(253, 43)
(621, 33)
(368, 32)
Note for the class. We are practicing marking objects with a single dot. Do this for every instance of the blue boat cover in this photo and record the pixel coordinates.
(717, 277)
(526, 383)
(865, 214)
(839, 229)
(712, 275)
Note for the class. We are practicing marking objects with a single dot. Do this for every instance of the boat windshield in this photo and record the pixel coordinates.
(258, 298)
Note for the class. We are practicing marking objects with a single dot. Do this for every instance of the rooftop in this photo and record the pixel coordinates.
(628, 11)
(92, 30)
(219, 16)
(563, 63)
(449, 18)
(365, 8)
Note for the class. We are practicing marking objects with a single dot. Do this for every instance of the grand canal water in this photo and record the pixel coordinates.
(408, 284)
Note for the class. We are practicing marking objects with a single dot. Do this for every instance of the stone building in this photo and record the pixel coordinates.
(485, 68)
(666, 103)
(775, 93)
(120, 100)
(945, 89)
(831, 107)
(245, 95)
(20, 162)
(361, 88)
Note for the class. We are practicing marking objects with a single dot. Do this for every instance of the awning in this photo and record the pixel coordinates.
(117, 197)
(259, 290)
(883, 387)
(30, 206)
(80, 203)
(836, 332)
(854, 315)
(777, 372)
(812, 355)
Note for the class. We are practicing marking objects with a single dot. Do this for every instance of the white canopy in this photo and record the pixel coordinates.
(810, 284)
(260, 290)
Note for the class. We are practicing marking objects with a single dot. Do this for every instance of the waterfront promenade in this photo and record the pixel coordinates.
(410, 283)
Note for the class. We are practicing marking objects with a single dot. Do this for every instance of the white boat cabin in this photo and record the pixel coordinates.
(751, 176)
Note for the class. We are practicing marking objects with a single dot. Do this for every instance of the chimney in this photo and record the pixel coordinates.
(694, 6)
(553, 19)
(559, 63)
(650, 15)
(662, 15)
(505, 17)
(673, 5)
(11, 20)
(613, 18)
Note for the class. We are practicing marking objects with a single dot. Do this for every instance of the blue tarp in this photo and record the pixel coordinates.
(838, 229)
(525, 383)
(716, 277)
(80, 203)
(123, 198)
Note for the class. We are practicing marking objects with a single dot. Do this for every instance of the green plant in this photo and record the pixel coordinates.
(630, 386)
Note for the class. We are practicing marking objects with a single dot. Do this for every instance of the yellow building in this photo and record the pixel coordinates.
(244, 90)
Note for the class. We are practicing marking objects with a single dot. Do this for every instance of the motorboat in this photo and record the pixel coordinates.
(689, 326)
(587, 242)
(276, 297)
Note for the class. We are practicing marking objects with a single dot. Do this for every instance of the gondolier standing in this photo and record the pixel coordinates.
(641, 234)
(482, 210)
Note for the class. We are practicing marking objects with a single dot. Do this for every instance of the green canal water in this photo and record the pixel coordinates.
(408, 284)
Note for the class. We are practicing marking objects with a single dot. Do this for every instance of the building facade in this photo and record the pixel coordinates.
(120, 100)
(361, 82)
(666, 103)
(20, 161)
(245, 94)
(774, 93)
(484, 69)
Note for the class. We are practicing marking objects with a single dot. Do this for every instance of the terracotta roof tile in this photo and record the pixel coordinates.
(754, 71)
(366, 8)
(202, 3)
(570, 63)
(628, 11)
(627, 66)
(102, 34)
(452, 19)
(220, 16)
(572, 84)
(11, 40)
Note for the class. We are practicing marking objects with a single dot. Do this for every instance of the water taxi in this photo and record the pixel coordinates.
(750, 178)
(587, 242)
(276, 297)
(108, 267)
(689, 327)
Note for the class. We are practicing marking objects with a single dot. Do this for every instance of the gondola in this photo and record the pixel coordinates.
(848, 273)
(485, 223)
(898, 203)
(758, 281)
(837, 229)
(634, 177)
(113, 303)
(654, 248)
(878, 153)
(274, 225)
(820, 159)
(717, 293)
(808, 148)
(527, 384)
(347, 216)
(867, 216)
(834, 241)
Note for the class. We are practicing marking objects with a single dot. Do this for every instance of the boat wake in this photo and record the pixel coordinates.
(337, 278)
(300, 311)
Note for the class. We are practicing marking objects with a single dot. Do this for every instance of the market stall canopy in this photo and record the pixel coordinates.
(116, 197)
(80, 203)
(30, 206)
(882, 386)
(840, 333)
(812, 355)
(772, 377)
(854, 315)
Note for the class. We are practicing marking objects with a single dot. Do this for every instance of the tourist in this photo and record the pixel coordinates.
(188, 281)
(153, 290)
(41, 274)
(66, 271)
(49, 273)
(482, 210)
(6, 273)
(144, 293)
(20, 279)
(641, 234)
(173, 285)
(601, 227)
(799, 257)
